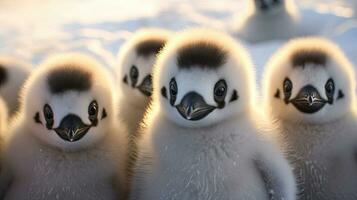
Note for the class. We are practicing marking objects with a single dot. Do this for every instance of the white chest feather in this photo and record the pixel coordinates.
(40, 172)
(212, 163)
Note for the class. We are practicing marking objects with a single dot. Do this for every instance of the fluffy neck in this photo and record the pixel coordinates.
(306, 136)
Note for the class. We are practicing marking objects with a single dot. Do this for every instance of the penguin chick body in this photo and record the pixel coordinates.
(310, 96)
(201, 140)
(268, 20)
(66, 142)
(136, 60)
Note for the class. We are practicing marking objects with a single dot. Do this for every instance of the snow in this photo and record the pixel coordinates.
(33, 30)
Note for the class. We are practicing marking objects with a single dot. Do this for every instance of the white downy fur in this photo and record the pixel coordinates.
(42, 165)
(280, 21)
(322, 146)
(222, 156)
(17, 72)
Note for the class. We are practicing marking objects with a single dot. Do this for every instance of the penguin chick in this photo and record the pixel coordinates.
(136, 59)
(268, 20)
(200, 139)
(310, 95)
(13, 74)
(66, 142)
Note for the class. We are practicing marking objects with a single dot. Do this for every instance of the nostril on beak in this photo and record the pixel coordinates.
(311, 100)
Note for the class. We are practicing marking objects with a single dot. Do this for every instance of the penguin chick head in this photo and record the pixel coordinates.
(268, 6)
(136, 60)
(309, 80)
(203, 77)
(68, 102)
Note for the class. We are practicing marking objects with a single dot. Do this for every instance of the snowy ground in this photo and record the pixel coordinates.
(34, 29)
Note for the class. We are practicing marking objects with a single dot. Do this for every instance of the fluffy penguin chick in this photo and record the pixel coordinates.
(200, 140)
(65, 141)
(268, 20)
(136, 59)
(310, 95)
(13, 74)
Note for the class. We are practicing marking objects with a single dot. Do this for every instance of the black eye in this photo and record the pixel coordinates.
(93, 111)
(330, 90)
(173, 91)
(330, 86)
(220, 91)
(287, 87)
(48, 114)
(134, 74)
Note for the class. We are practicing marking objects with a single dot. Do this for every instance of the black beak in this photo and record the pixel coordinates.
(262, 5)
(146, 86)
(72, 128)
(193, 107)
(308, 100)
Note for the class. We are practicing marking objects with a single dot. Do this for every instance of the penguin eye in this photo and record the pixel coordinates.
(330, 86)
(173, 91)
(220, 91)
(330, 89)
(134, 74)
(48, 113)
(93, 110)
(287, 87)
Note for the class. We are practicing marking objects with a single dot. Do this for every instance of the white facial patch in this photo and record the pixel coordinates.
(199, 81)
(316, 76)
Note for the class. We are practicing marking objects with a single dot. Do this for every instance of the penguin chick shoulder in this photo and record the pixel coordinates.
(66, 142)
(268, 20)
(13, 74)
(310, 95)
(136, 59)
(200, 139)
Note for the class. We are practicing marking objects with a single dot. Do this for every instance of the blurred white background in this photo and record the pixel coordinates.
(32, 29)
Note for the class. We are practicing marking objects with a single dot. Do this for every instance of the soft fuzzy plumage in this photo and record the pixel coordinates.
(277, 22)
(222, 156)
(41, 164)
(321, 146)
(17, 72)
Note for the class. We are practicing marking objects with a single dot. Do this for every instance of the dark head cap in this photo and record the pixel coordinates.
(69, 78)
(3, 75)
(302, 57)
(149, 47)
(201, 54)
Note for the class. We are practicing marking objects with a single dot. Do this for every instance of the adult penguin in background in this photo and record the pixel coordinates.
(201, 139)
(310, 96)
(66, 142)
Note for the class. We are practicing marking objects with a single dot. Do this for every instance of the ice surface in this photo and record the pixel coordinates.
(33, 30)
